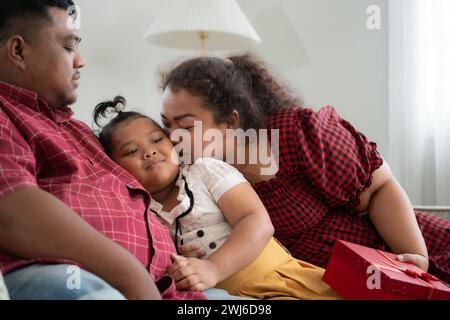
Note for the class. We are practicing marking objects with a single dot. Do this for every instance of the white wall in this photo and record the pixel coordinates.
(321, 47)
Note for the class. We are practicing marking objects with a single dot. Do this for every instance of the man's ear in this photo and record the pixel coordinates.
(15, 47)
(233, 120)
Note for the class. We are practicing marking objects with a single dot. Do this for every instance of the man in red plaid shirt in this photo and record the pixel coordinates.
(63, 202)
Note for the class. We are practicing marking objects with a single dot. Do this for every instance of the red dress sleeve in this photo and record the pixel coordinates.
(336, 159)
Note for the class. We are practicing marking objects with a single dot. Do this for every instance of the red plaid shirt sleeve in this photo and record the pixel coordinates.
(17, 161)
(337, 159)
(46, 148)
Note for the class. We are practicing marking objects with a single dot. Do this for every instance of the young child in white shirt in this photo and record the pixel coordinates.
(208, 203)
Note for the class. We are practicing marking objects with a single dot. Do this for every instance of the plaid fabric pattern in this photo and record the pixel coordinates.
(46, 148)
(436, 232)
(324, 166)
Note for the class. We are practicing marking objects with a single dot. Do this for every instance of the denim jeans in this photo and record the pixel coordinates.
(58, 282)
(68, 282)
(219, 294)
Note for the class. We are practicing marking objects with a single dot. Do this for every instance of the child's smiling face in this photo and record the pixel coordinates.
(144, 150)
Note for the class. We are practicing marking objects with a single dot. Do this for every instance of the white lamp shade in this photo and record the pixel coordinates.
(179, 23)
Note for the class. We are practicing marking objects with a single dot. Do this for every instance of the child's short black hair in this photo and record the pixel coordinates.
(115, 106)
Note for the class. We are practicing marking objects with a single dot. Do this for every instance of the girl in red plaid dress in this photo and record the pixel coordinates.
(331, 184)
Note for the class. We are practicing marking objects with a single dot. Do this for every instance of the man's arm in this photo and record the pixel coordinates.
(34, 224)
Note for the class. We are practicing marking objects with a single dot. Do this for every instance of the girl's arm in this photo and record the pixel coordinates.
(393, 216)
(252, 230)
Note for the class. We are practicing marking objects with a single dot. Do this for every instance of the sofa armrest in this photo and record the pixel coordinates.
(438, 211)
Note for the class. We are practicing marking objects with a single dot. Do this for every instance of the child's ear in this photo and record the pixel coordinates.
(233, 120)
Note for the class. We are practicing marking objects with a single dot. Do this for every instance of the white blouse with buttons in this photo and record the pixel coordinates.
(208, 179)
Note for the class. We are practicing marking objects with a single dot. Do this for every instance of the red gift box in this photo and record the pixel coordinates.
(360, 273)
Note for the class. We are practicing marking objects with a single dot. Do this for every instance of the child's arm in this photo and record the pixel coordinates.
(35, 224)
(393, 216)
(191, 250)
(252, 229)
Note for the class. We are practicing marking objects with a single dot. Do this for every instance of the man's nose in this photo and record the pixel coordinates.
(78, 62)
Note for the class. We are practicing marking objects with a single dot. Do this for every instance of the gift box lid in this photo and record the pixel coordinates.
(398, 277)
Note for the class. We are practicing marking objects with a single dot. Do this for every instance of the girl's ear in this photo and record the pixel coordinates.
(233, 120)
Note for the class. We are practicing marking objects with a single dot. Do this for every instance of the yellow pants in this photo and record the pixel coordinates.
(276, 275)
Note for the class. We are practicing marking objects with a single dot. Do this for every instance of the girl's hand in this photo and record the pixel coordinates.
(192, 274)
(416, 259)
(191, 251)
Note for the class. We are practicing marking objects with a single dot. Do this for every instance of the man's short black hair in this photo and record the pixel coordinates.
(25, 11)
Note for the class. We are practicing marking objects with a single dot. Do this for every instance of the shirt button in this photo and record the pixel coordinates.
(200, 233)
(212, 245)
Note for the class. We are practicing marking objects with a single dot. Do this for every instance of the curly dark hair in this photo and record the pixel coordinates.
(239, 83)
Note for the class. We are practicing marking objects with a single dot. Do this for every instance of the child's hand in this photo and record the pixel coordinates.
(191, 251)
(193, 274)
(416, 259)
